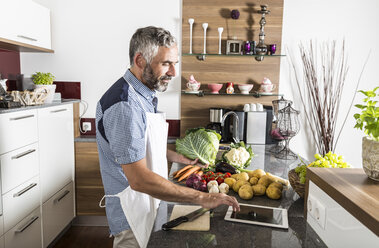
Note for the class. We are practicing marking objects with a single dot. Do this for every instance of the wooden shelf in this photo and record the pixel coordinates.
(202, 56)
(254, 94)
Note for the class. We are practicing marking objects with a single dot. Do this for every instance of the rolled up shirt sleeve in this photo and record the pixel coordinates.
(124, 126)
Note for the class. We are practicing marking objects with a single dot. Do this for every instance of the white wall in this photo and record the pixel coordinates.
(324, 20)
(91, 40)
(91, 43)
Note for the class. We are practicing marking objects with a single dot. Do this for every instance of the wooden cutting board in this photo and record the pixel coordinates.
(202, 223)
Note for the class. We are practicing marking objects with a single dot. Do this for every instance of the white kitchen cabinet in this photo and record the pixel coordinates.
(27, 233)
(2, 245)
(56, 144)
(1, 225)
(25, 21)
(19, 166)
(18, 129)
(57, 213)
(20, 201)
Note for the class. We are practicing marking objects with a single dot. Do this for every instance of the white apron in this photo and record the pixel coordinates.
(140, 209)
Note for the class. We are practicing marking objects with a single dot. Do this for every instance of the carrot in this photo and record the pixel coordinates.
(189, 172)
(182, 170)
(200, 173)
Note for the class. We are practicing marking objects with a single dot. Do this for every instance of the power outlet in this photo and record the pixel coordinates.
(320, 214)
(87, 126)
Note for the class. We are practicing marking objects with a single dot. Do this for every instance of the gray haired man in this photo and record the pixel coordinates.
(132, 140)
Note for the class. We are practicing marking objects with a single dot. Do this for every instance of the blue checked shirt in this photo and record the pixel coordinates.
(120, 136)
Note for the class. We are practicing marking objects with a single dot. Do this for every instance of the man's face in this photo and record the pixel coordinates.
(161, 70)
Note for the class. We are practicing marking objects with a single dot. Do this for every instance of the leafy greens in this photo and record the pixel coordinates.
(199, 143)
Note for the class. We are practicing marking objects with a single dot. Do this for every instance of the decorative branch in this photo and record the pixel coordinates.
(322, 90)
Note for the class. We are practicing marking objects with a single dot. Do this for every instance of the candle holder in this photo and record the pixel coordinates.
(220, 30)
(202, 57)
(191, 21)
(289, 126)
(261, 48)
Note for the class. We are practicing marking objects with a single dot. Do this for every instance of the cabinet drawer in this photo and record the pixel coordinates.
(17, 129)
(18, 166)
(2, 245)
(27, 233)
(57, 213)
(20, 201)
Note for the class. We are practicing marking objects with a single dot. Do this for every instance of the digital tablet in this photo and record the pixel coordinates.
(259, 215)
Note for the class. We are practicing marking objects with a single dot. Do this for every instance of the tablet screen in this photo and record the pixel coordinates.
(251, 213)
(259, 215)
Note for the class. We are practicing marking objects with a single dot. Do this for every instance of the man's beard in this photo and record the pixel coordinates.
(152, 82)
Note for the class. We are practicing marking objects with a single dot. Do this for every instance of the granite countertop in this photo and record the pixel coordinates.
(232, 234)
(64, 101)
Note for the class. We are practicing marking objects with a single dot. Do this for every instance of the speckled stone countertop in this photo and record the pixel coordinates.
(22, 108)
(232, 234)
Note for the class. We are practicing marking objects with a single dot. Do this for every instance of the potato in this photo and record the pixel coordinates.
(234, 176)
(237, 185)
(259, 189)
(258, 173)
(265, 180)
(278, 179)
(250, 173)
(246, 192)
(243, 176)
(230, 181)
(253, 180)
(273, 193)
(276, 184)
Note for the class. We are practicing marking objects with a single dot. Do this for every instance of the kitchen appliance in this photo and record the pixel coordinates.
(24, 83)
(258, 126)
(6, 100)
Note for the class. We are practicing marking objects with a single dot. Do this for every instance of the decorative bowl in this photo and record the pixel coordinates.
(245, 88)
(215, 88)
(294, 179)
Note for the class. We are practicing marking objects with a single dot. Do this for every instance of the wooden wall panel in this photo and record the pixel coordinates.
(223, 69)
(89, 187)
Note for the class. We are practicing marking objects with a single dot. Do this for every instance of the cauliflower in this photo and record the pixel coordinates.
(237, 156)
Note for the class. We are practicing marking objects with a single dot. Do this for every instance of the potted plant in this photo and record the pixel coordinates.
(368, 120)
(45, 80)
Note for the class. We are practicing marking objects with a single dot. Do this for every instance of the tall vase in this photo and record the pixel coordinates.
(370, 157)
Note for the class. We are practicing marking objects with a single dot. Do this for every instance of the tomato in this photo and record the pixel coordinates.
(211, 178)
(203, 181)
(220, 180)
(227, 174)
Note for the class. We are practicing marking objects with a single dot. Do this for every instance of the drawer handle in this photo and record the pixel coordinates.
(26, 37)
(31, 221)
(58, 110)
(25, 190)
(23, 154)
(20, 117)
(62, 196)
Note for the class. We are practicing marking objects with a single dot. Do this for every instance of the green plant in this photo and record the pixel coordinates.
(369, 118)
(43, 78)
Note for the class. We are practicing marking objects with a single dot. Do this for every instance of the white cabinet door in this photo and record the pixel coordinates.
(27, 233)
(56, 144)
(25, 21)
(57, 213)
(18, 166)
(17, 129)
(1, 226)
(20, 201)
(2, 245)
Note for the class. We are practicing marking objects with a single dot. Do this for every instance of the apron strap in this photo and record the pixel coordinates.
(104, 196)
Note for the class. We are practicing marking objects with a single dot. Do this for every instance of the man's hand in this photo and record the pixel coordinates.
(179, 158)
(216, 199)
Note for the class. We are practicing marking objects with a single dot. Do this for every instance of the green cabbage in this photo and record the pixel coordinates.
(199, 143)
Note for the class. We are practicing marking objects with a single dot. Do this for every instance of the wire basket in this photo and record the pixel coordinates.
(295, 183)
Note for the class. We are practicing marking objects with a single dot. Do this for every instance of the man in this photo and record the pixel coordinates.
(132, 141)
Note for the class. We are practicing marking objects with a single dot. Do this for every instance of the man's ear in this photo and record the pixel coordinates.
(139, 61)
